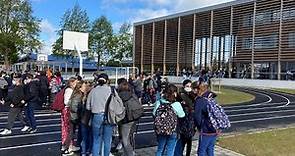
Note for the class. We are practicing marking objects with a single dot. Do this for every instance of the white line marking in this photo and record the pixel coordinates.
(31, 145)
(262, 119)
(37, 115)
(41, 126)
(263, 108)
(43, 120)
(257, 113)
(29, 135)
(145, 132)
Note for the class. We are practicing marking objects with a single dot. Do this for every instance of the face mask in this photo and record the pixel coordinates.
(188, 89)
(13, 82)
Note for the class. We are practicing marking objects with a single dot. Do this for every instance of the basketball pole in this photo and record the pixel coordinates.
(81, 61)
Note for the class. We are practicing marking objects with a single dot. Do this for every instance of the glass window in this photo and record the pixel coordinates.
(248, 20)
(289, 13)
(247, 43)
(264, 42)
(292, 40)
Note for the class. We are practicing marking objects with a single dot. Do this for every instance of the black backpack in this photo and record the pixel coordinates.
(186, 125)
(165, 122)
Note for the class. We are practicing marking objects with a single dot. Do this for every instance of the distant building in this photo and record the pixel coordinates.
(43, 61)
(245, 38)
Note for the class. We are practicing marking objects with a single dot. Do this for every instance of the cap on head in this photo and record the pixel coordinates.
(103, 77)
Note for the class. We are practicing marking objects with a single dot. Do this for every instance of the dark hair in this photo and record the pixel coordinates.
(29, 76)
(196, 85)
(71, 80)
(124, 86)
(169, 93)
(77, 88)
(185, 82)
(121, 80)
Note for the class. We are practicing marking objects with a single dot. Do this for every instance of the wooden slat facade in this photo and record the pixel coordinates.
(227, 37)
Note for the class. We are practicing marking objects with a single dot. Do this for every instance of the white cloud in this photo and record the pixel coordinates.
(143, 14)
(49, 31)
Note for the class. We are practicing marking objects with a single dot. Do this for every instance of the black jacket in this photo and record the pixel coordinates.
(44, 84)
(16, 96)
(32, 90)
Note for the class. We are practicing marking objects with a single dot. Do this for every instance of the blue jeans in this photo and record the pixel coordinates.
(206, 145)
(30, 117)
(102, 135)
(168, 141)
(85, 138)
(179, 148)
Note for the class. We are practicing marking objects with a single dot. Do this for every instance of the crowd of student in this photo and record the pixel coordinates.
(25, 92)
(86, 108)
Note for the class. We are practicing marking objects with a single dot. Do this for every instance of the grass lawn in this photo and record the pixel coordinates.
(273, 143)
(289, 91)
(229, 96)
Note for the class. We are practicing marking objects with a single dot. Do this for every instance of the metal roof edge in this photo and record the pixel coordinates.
(199, 10)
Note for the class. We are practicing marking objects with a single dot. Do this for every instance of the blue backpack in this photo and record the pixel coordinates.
(217, 116)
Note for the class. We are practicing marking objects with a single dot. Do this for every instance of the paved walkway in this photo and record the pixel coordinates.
(218, 151)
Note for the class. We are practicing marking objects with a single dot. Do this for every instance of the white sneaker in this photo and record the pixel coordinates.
(119, 146)
(6, 132)
(74, 148)
(26, 128)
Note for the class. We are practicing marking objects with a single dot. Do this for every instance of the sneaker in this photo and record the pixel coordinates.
(32, 131)
(26, 128)
(65, 152)
(74, 148)
(6, 132)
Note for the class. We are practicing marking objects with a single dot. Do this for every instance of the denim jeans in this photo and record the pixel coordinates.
(168, 142)
(127, 134)
(85, 138)
(181, 144)
(30, 117)
(102, 135)
(206, 145)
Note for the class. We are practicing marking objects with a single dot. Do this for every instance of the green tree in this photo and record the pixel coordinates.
(19, 29)
(122, 45)
(75, 19)
(101, 39)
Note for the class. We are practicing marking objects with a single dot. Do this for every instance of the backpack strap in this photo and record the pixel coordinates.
(107, 105)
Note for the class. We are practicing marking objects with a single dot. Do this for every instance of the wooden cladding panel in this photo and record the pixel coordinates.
(203, 22)
(159, 42)
(186, 41)
(137, 46)
(147, 43)
(172, 32)
(221, 22)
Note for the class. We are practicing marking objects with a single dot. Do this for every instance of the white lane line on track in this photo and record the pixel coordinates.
(263, 108)
(37, 115)
(288, 101)
(31, 145)
(257, 113)
(30, 135)
(263, 119)
(42, 120)
(251, 105)
(41, 126)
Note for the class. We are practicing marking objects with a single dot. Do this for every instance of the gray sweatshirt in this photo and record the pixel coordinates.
(97, 98)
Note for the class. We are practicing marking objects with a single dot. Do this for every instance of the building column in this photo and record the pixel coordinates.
(194, 43)
(141, 55)
(219, 52)
(165, 44)
(211, 40)
(253, 41)
(178, 48)
(206, 52)
(133, 49)
(153, 48)
(201, 54)
(280, 41)
(231, 43)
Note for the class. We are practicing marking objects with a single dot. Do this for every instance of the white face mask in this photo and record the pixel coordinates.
(13, 82)
(188, 89)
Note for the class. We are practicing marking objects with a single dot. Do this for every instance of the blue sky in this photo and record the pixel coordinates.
(117, 11)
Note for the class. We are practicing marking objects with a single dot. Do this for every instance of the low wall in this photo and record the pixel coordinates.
(243, 82)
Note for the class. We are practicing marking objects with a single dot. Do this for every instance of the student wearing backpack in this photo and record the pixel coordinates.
(166, 112)
(67, 141)
(134, 111)
(208, 134)
(96, 103)
(186, 126)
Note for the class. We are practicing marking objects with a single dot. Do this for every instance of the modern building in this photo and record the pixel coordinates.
(247, 38)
